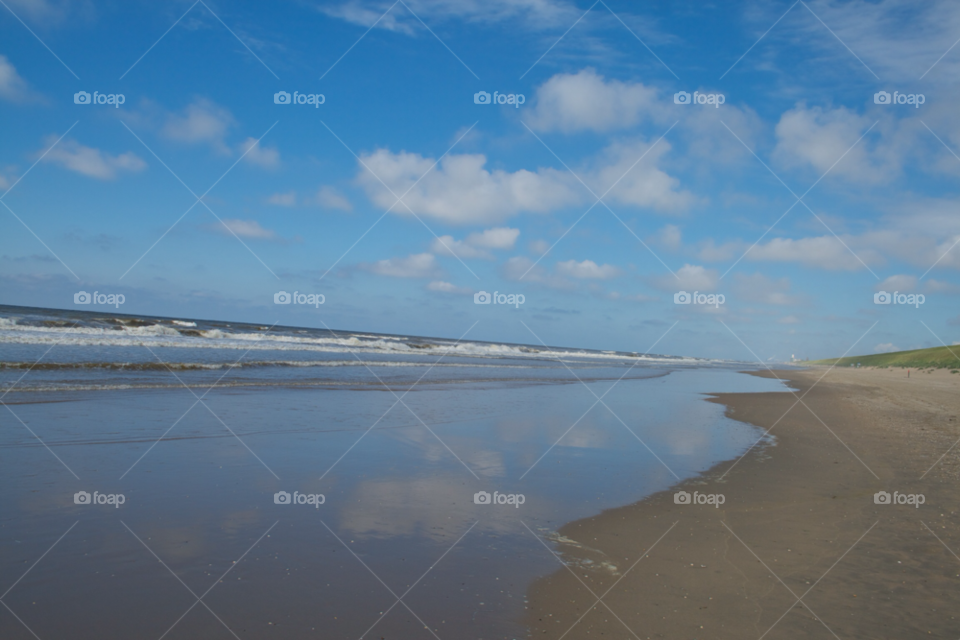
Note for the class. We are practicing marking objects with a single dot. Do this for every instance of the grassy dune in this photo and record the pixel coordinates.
(937, 357)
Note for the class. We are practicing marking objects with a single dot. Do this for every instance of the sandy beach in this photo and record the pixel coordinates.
(798, 548)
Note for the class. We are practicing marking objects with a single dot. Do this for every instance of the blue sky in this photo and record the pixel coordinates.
(798, 199)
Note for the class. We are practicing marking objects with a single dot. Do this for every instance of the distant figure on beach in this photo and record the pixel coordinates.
(908, 373)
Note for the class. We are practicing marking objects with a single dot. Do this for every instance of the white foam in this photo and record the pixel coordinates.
(159, 335)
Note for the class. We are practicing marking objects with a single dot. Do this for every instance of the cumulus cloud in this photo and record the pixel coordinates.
(641, 184)
(460, 190)
(670, 237)
(825, 252)
(13, 88)
(586, 101)
(818, 138)
(200, 122)
(564, 275)
(288, 199)
(267, 158)
(330, 198)
(476, 244)
(759, 288)
(886, 347)
(496, 238)
(901, 283)
(587, 269)
(449, 246)
(539, 247)
(519, 267)
(89, 161)
(690, 277)
(440, 286)
(421, 265)
(250, 229)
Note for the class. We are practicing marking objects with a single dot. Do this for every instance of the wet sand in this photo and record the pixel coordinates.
(799, 549)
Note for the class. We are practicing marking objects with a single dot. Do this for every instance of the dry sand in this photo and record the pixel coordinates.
(805, 508)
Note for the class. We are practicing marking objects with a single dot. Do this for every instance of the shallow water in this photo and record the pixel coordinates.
(398, 463)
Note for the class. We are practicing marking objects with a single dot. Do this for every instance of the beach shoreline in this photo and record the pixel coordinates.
(798, 548)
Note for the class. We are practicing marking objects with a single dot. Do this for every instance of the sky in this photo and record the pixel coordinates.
(783, 164)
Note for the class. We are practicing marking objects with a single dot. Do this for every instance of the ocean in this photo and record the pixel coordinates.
(215, 479)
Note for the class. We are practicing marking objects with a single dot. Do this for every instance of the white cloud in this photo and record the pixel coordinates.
(563, 276)
(448, 246)
(519, 267)
(244, 229)
(901, 283)
(759, 288)
(267, 158)
(819, 138)
(588, 269)
(536, 14)
(496, 238)
(476, 244)
(288, 199)
(689, 277)
(330, 198)
(898, 39)
(938, 286)
(642, 185)
(12, 87)
(539, 247)
(89, 161)
(670, 237)
(886, 347)
(200, 122)
(585, 101)
(825, 252)
(460, 190)
(445, 287)
(789, 320)
(421, 265)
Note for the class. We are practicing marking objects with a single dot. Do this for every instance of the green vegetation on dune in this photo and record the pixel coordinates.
(937, 357)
